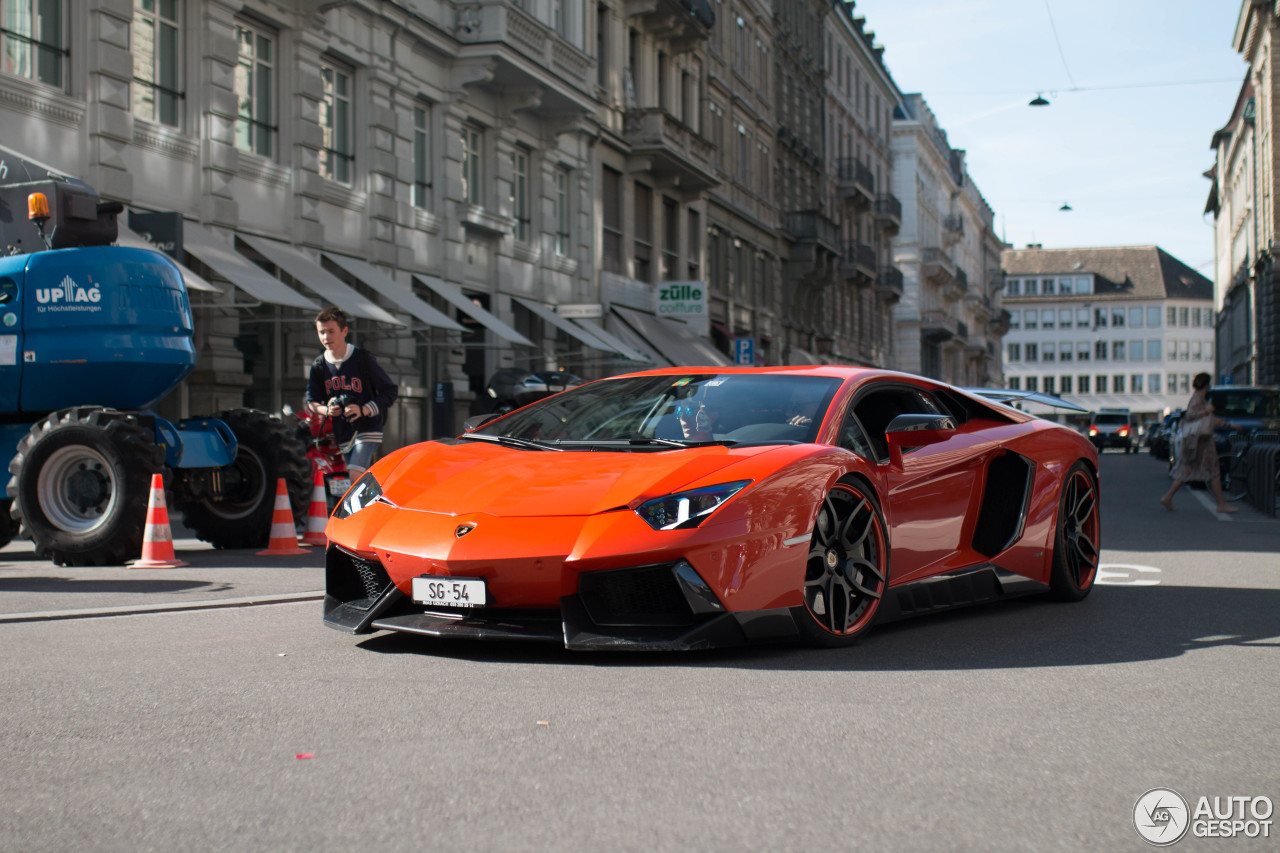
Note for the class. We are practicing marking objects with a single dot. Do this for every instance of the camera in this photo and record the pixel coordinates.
(342, 401)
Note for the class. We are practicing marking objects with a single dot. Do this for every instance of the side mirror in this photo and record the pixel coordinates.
(478, 421)
(916, 431)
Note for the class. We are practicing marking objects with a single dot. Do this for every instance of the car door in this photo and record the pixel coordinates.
(928, 498)
(10, 343)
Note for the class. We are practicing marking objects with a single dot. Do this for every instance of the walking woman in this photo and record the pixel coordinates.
(1197, 457)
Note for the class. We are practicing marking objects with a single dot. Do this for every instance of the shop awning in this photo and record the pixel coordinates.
(570, 328)
(320, 281)
(632, 353)
(218, 255)
(134, 240)
(453, 294)
(393, 290)
(671, 339)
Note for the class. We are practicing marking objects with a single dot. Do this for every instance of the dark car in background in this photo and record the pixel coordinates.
(1248, 408)
(512, 387)
(1113, 428)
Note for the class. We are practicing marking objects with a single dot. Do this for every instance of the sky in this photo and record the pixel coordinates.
(1126, 154)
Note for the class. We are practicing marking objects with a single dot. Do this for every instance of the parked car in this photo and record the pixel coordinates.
(1113, 428)
(691, 508)
(1161, 443)
(1248, 408)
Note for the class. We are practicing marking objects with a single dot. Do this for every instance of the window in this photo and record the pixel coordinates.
(670, 239)
(1184, 383)
(337, 154)
(1031, 318)
(1046, 318)
(1153, 383)
(1048, 385)
(520, 193)
(1064, 318)
(1195, 318)
(1117, 350)
(1117, 317)
(1084, 285)
(1065, 382)
(1046, 287)
(1171, 316)
(694, 248)
(1013, 287)
(421, 164)
(1153, 351)
(1033, 383)
(1064, 289)
(1015, 352)
(1208, 316)
(1064, 351)
(1100, 350)
(156, 35)
(644, 232)
(1015, 319)
(1117, 384)
(602, 46)
(33, 40)
(1100, 318)
(1135, 318)
(1172, 383)
(1195, 350)
(471, 193)
(1033, 352)
(1015, 383)
(255, 91)
(1100, 384)
(1049, 353)
(1172, 351)
(1153, 317)
(1082, 318)
(1135, 350)
(1135, 383)
(560, 211)
(1184, 350)
(1082, 350)
(611, 220)
(1084, 385)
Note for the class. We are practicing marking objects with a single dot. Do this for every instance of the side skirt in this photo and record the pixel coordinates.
(976, 585)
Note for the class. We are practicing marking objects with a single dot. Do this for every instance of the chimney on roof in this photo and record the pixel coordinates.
(1035, 245)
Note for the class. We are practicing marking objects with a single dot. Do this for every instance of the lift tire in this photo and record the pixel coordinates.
(268, 449)
(80, 484)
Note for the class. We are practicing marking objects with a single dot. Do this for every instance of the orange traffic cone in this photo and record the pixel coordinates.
(284, 537)
(157, 542)
(317, 514)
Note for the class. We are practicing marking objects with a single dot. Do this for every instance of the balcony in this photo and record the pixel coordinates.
(507, 50)
(952, 229)
(682, 24)
(889, 284)
(673, 148)
(854, 179)
(938, 326)
(936, 266)
(813, 227)
(858, 259)
(959, 284)
(888, 212)
(999, 325)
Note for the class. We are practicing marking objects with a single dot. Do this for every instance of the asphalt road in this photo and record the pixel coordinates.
(1026, 725)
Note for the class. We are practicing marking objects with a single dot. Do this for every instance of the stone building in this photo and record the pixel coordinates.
(1116, 327)
(1242, 201)
(949, 320)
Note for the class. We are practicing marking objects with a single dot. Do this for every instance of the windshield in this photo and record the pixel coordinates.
(1110, 420)
(664, 412)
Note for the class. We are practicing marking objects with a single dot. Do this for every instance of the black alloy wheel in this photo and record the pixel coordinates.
(1076, 544)
(847, 571)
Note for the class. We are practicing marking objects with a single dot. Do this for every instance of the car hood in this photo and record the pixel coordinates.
(471, 477)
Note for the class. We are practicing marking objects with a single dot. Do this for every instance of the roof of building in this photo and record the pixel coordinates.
(1123, 272)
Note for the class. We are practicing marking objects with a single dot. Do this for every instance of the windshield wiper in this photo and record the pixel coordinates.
(662, 442)
(507, 440)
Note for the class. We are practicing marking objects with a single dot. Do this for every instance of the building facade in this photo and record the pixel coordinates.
(1242, 201)
(1124, 327)
(948, 323)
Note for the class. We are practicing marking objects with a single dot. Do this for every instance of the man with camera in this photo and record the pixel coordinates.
(347, 384)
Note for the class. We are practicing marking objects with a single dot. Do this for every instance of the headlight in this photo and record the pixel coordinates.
(687, 509)
(364, 492)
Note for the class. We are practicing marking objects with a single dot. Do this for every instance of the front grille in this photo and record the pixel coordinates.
(354, 580)
(643, 596)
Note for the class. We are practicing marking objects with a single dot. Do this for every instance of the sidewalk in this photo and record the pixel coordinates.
(33, 588)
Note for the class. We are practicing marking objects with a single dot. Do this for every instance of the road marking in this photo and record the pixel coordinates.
(1206, 498)
(1124, 578)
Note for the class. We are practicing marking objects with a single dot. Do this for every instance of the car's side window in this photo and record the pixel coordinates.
(875, 410)
(853, 438)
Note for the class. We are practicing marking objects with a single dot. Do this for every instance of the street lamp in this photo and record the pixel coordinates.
(1038, 101)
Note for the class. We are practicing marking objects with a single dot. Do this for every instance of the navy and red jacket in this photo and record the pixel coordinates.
(360, 377)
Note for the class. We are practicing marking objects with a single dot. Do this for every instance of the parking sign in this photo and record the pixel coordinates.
(744, 351)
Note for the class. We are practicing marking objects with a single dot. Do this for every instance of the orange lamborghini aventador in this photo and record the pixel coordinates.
(694, 507)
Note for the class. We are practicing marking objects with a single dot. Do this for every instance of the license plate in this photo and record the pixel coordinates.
(339, 487)
(449, 592)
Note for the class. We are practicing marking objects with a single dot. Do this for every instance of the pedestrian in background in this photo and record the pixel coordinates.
(1197, 456)
(347, 384)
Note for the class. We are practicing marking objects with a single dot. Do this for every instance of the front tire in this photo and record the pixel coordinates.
(1075, 545)
(81, 480)
(241, 517)
(847, 571)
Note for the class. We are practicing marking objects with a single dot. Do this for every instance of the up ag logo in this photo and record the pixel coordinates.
(1161, 816)
(67, 293)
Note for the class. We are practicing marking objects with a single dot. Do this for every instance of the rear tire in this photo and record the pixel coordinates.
(268, 450)
(847, 571)
(81, 480)
(1075, 544)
